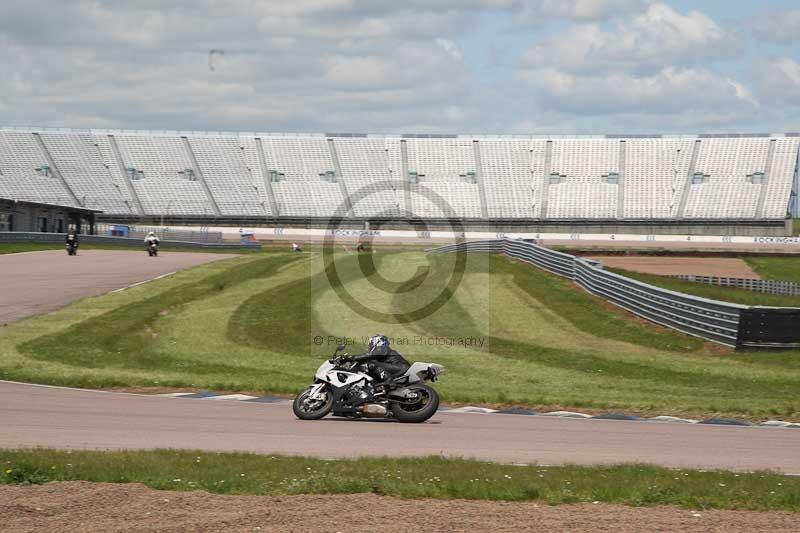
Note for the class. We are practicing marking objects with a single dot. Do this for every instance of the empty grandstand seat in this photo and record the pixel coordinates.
(253, 175)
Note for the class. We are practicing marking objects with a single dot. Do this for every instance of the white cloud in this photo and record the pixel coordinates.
(371, 65)
(538, 11)
(653, 63)
(670, 90)
(778, 27)
(451, 48)
(780, 80)
(658, 37)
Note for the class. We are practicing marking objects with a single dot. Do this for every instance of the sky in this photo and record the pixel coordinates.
(403, 66)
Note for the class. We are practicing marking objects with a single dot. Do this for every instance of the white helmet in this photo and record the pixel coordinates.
(151, 234)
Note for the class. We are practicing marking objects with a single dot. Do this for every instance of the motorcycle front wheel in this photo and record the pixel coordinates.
(306, 408)
(418, 409)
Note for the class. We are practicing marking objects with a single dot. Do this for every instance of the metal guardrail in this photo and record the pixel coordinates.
(26, 236)
(486, 246)
(710, 319)
(765, 286)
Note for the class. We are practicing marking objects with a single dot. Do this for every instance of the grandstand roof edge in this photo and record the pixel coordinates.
(122, 131)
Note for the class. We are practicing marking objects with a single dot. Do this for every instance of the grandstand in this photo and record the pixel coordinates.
(641, 181)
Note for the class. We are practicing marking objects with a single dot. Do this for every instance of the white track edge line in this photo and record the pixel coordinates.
(143, 282)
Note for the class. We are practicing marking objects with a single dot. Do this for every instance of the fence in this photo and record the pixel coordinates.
(710, 319)
(25, 236)
(766, 286)
(168, 234)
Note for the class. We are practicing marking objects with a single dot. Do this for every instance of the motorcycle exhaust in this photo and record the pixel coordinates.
(373, 410)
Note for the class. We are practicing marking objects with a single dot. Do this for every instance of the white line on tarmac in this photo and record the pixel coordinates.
(145, 281)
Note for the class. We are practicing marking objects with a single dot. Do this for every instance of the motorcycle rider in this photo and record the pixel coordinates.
(382, 362)
(72, 240)
(151, 238)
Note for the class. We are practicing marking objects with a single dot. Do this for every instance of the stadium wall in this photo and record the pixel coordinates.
(753, 228)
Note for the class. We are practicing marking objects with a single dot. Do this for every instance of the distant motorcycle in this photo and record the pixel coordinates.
(72, 248)
(152, 249)
(345, 388)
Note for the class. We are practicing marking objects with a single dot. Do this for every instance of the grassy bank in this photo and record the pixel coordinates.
(263, 323)
(430, 477)
(20, 247)
(776, 268)
(122, 338)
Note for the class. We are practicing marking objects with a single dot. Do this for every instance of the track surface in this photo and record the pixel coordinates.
(80, 419)
(36, 282)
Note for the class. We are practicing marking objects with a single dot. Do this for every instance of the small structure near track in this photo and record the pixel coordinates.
(17, 215)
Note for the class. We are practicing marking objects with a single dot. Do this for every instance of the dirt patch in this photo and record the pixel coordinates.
(698, 266)
(102, 507)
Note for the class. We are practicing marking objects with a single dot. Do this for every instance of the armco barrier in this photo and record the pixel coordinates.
(767, 327)
(766, 286)
(710, 319)
(25, 236)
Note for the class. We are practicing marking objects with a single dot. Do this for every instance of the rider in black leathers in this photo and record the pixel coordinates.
(382, 362)
(72, 240)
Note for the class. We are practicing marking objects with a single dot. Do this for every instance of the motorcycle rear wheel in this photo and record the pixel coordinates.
(304, 412)
(419, 411)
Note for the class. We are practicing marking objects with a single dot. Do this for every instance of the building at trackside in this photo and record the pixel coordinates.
(18, 215)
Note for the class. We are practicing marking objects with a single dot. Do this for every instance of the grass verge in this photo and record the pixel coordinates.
(428, 477)
(20, 247)
(776, 268)
(122, 337)
(589, 313)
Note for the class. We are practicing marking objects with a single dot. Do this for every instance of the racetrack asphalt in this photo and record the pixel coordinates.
(36, 415)
(37, 282)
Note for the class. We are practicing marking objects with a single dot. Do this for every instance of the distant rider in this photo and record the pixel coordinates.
(72, 239)
(151, 238)
(382, 362)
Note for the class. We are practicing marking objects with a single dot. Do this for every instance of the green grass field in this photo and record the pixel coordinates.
(508, 334)
(776, 268)
(432, 477)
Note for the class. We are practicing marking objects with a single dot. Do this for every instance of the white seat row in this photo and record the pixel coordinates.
(20, 157)
(308, 175)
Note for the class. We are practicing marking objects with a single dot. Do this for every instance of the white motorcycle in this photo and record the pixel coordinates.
(344, 387)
